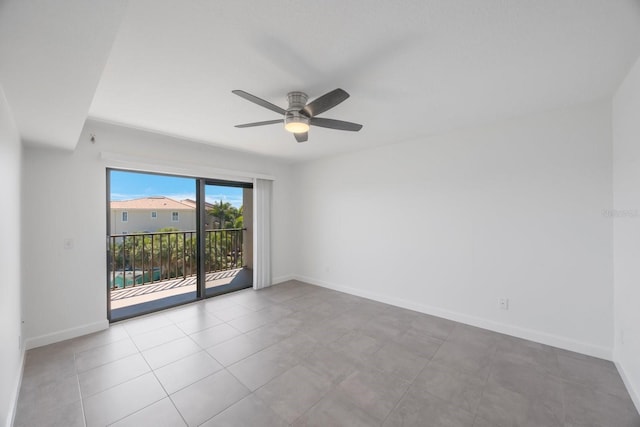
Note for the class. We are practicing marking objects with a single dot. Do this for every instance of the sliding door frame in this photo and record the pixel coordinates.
(201, 213)
(201, 232)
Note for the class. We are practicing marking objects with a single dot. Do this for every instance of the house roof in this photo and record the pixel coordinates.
(151, 203)
(192, 203)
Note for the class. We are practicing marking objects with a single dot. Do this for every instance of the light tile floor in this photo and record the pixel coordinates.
(296, 354)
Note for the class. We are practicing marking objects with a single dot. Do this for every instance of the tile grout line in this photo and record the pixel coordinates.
(152, 371)
(410, 385)
(130, 379)
(165, 391)
(84, 415)
(230, 405)
(476, 415)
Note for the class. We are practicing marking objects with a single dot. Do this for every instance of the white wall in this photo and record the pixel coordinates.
(11, 353)
(449, 224)
(626, 188)
(66, 289)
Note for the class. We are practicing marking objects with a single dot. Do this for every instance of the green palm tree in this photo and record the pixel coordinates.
(224, 215)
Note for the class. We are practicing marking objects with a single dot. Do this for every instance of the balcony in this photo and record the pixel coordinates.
(148, 267)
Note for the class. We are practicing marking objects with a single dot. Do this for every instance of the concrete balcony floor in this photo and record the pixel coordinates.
(140, 294)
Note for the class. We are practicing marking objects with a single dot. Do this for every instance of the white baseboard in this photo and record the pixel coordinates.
(503, 328)
(281, 279)
(13, 399)
(66, 334)
(635, 396)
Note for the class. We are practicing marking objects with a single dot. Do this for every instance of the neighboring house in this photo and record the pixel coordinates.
(207, 206)
(150, 214)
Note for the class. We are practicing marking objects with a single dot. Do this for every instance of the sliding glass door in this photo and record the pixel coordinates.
(172, 240)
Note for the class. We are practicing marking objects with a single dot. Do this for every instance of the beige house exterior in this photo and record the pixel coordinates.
(149, 214)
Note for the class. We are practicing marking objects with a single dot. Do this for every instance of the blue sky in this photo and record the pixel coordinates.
(132, 185)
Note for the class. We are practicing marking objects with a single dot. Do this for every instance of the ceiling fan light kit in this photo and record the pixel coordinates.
(299, 116)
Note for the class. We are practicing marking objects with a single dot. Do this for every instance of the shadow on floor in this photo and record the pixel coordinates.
(242, 280)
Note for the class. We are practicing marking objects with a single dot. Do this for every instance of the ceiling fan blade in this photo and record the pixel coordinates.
(268, 122)
(301, 137)
(334, 124)
(259, 101)
(325, 102)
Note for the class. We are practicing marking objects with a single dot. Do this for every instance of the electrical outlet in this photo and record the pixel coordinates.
(504, 303)
(621, 336)
(19, 342)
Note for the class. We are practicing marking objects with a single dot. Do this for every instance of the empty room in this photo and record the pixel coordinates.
(330, 213)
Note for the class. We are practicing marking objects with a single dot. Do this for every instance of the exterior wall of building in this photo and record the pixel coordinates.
(140, 220)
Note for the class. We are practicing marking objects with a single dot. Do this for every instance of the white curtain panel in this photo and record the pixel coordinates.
(262, 191)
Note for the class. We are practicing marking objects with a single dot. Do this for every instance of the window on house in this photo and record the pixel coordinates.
(175, 217)
(154, 215)
(125, 216)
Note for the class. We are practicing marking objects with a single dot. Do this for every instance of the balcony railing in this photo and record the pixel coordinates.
(142, 258)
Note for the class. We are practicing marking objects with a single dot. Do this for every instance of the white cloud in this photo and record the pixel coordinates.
(232, 199)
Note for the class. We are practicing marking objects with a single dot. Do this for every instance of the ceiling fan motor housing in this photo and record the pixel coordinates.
(293, 119)
(297, 100)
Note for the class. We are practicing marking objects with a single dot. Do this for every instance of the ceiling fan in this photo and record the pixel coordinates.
(300, 115)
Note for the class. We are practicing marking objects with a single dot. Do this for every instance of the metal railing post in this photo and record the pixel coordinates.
(184, 255)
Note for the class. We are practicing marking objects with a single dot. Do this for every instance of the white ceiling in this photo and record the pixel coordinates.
(413, 68)
(52, 54)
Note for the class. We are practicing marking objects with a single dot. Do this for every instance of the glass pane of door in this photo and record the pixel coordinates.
(228, 237)
(152, 262)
